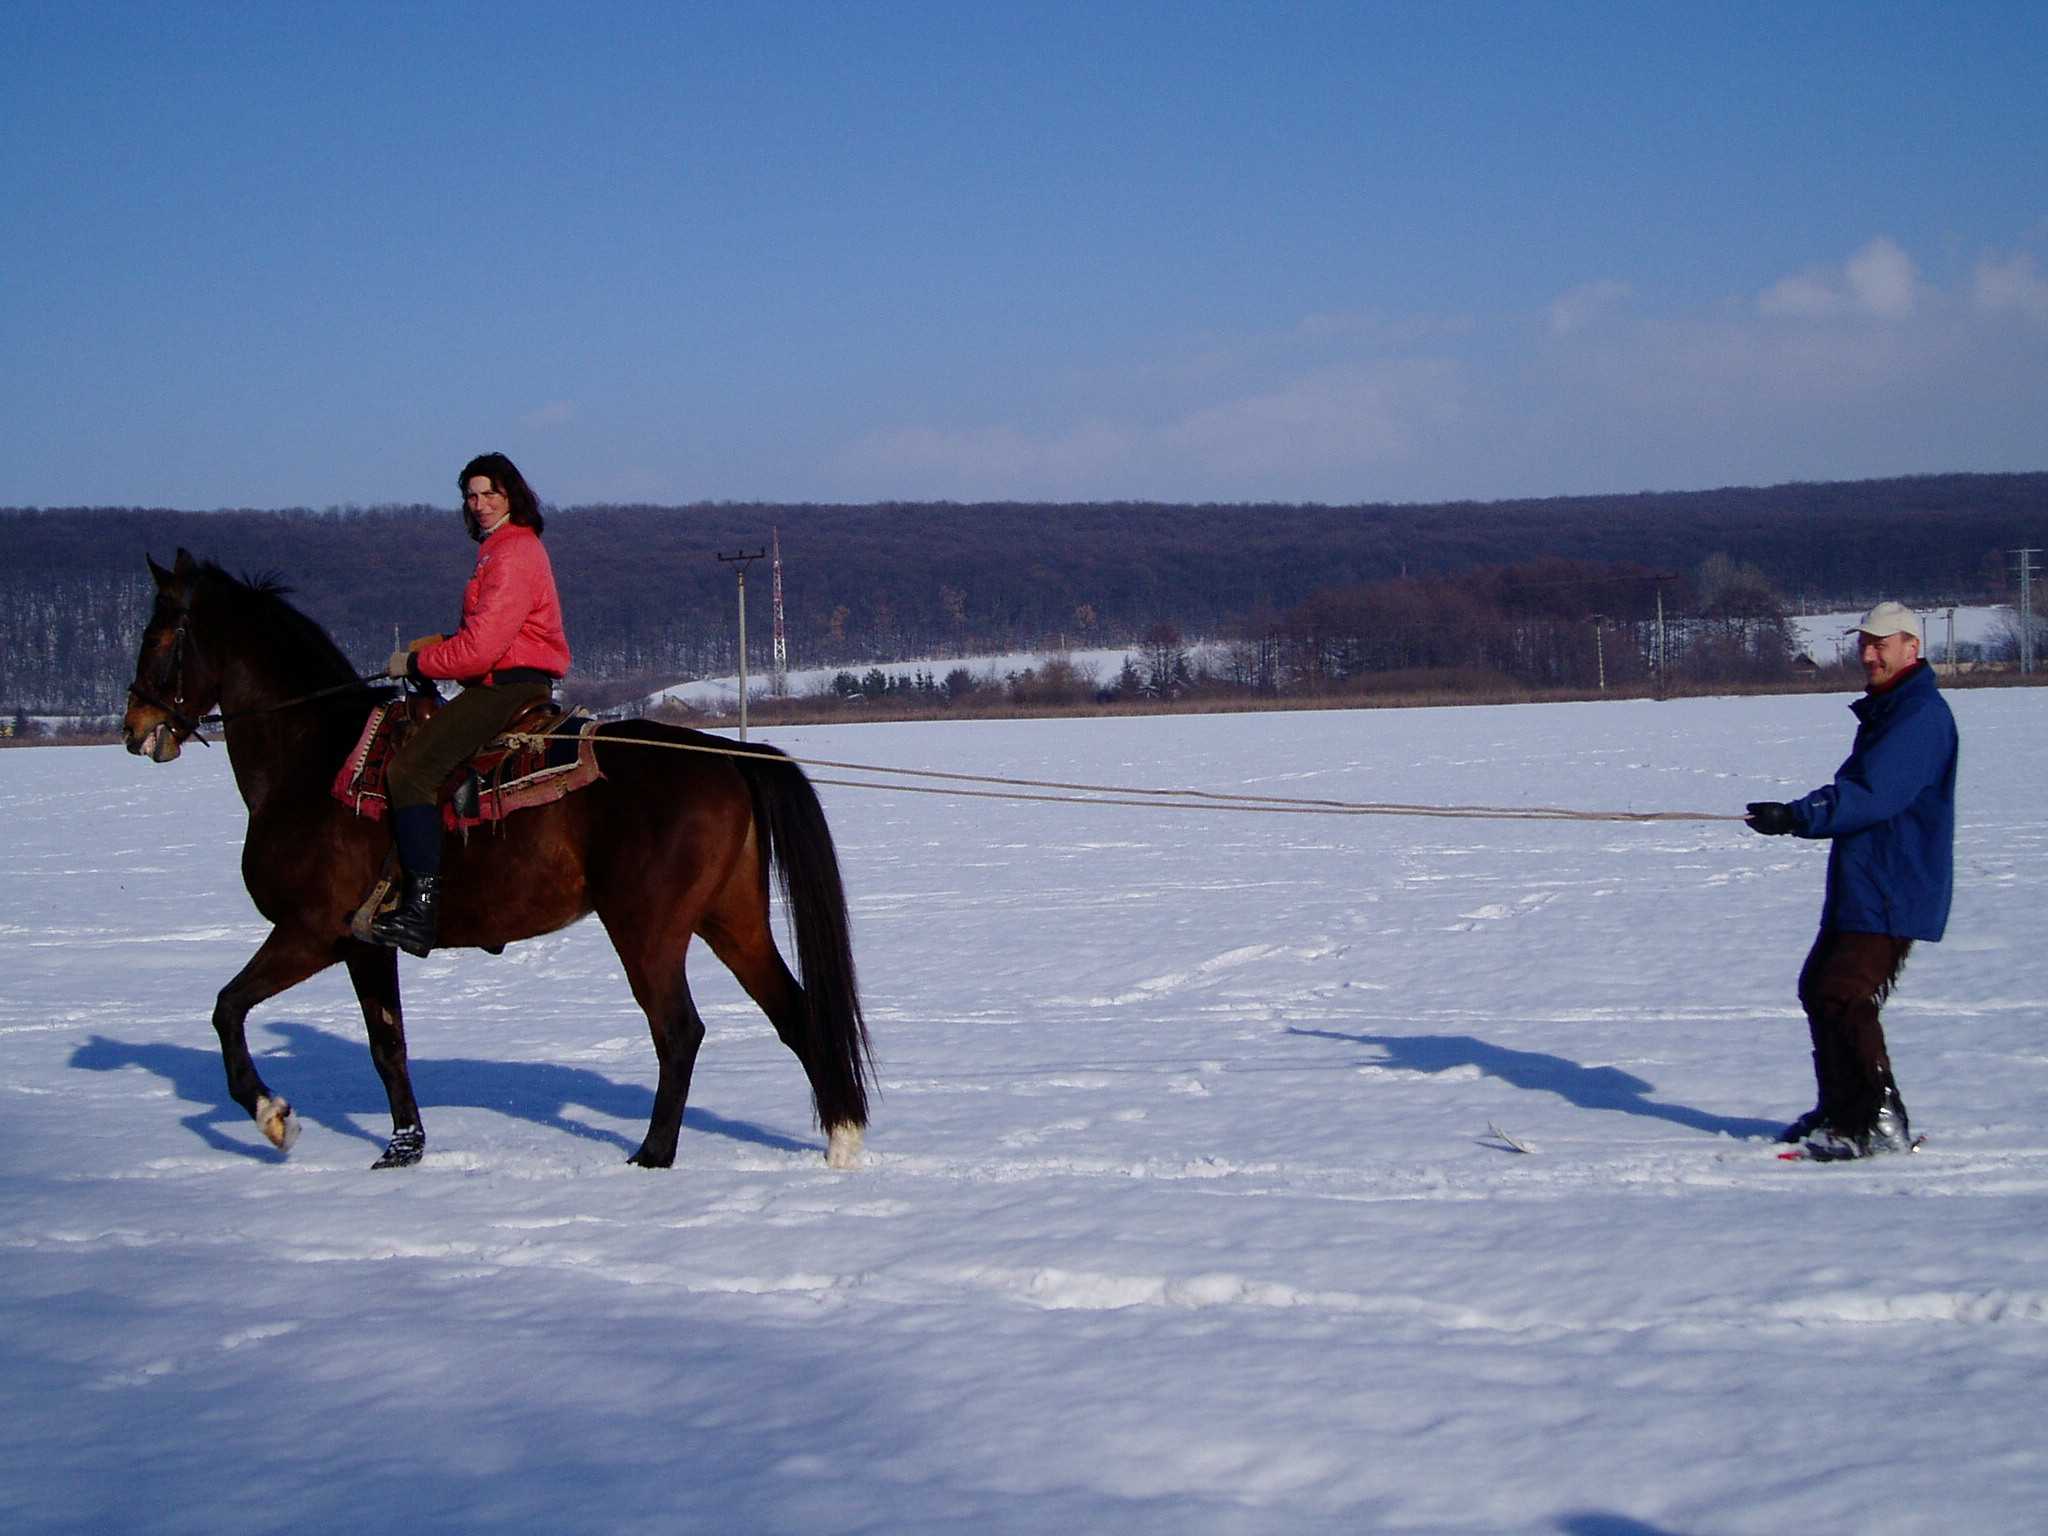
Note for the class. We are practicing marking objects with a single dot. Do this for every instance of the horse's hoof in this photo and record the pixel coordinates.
(405, 1148)
(275, 1119)
(843, 1151)
(646, 1159)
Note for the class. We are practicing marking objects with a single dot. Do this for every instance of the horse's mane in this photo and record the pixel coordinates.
(256, 607)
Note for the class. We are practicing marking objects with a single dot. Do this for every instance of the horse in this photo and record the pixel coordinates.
(666, 845)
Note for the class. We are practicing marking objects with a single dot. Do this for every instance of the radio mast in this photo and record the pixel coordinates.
(780, 686)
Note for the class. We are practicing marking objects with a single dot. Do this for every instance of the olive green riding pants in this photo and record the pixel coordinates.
(461, 726)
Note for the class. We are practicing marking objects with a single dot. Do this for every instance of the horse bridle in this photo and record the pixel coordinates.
(187, 726)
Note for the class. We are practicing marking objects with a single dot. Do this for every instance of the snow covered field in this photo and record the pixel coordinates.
(1183, 1211)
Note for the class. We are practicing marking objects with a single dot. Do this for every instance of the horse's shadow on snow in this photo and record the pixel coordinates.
(329, 1081)
(1587, 1087)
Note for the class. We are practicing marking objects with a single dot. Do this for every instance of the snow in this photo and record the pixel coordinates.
(1187, 1205)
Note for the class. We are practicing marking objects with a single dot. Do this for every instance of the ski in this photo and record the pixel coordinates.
(1809, 1153)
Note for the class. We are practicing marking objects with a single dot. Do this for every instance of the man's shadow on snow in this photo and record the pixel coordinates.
(1587, 1087)
(329, 1080)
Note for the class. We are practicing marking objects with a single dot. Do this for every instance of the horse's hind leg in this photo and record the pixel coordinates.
(283, 960)
(654, 968)
(374, 970)
(747, 948)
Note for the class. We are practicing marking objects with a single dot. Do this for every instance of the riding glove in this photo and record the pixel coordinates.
(1773, 818)
(400, 664)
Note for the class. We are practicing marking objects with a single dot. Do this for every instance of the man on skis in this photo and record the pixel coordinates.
(1891, 817)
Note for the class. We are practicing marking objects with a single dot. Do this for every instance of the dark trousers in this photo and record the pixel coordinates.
(435, 751)
(1846, 978)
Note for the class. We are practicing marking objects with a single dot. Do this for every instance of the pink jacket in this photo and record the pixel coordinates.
(511, 616)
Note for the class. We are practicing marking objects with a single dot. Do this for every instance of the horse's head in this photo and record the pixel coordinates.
(174, 686)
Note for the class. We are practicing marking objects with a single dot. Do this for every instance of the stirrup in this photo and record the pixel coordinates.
(382, 899)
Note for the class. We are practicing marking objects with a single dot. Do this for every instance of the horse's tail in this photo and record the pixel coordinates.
(797, 846)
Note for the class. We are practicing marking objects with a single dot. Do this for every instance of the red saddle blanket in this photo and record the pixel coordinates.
(542, 756)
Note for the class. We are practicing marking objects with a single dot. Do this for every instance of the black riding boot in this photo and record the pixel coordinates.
(414, 922)
(412, 925)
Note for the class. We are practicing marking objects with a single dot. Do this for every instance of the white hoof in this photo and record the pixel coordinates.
(844, 1149)
(275, 1119)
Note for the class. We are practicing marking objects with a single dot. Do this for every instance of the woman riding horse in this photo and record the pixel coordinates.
(508, 654)
(680, 837)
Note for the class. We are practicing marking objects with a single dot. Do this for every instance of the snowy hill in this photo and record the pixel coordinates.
(1102, 664)
(1823, 636)
(1826, 636)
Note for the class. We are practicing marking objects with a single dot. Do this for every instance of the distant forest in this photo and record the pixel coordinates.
(1318, 591)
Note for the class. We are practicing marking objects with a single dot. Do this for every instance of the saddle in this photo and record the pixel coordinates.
(542, 754)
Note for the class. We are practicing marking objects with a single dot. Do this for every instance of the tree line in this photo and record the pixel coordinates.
(1307, 596)
(1547, 626)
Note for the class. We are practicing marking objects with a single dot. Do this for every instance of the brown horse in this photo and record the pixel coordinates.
(666, 845)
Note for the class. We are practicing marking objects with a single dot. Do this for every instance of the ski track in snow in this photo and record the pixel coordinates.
(1185, 1208)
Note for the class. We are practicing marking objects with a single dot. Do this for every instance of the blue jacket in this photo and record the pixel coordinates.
(1892, 814)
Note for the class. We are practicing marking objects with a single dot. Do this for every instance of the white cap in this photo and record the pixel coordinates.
(1888, 619)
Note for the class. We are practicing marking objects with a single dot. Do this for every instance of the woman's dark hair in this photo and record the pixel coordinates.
(504, 474)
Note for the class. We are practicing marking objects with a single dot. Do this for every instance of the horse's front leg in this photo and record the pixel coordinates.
(283, 960)
(374, 970)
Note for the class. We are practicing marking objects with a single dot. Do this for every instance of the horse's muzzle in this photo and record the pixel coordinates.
(159, 743)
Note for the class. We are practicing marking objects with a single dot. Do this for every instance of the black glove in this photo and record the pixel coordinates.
(1773, 818)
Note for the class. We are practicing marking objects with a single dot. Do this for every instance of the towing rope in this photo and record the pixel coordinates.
(1161, 799)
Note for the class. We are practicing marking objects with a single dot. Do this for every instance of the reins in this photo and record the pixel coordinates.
(368, 679)
(1156, 798)
(189, 726)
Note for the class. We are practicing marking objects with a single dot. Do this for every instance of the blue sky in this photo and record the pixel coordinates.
(309, 254)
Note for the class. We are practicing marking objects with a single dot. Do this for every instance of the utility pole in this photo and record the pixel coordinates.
(1662, 689)
(741, 561)
(1600, 648)
(2027, 572)
(781, 688)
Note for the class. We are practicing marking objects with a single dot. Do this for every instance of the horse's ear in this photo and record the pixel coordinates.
(186, 564)
(164, 579)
